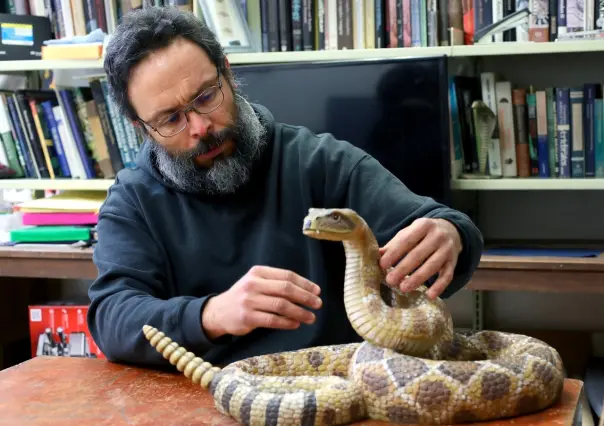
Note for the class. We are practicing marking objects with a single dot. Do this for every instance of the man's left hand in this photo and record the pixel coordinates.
(429, 247)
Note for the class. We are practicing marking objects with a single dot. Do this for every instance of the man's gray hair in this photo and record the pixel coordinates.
(145, 30)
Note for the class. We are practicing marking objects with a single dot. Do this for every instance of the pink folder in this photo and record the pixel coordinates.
(38, 219)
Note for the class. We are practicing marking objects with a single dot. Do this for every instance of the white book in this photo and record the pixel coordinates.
(507, 133)
(488, 80)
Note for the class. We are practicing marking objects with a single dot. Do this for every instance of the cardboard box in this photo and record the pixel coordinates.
(61, 330)
(21, 36)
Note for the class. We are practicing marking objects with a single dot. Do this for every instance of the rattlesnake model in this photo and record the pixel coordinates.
(411, 368)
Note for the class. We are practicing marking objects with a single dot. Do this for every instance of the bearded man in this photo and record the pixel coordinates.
(203, 238)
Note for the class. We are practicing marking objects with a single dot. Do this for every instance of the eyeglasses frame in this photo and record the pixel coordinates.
(189, 107)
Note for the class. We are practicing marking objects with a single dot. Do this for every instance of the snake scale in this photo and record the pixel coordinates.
(412, 367)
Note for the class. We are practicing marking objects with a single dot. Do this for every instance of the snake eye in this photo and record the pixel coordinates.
(335, 217)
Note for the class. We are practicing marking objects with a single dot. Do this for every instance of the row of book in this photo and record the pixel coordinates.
(65, 132)
(295, 25)
(80, 17)
(499, 129)
(292, 25)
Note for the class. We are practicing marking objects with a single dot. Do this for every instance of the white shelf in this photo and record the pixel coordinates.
(527, 48)
(57, 184)
(336, 55)
(527, 184)
(495, 49)
(508, 48)
(40, 65)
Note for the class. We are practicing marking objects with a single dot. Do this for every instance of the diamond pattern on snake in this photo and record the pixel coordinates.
(412, 366)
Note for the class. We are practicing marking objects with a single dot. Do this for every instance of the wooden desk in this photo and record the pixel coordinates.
(51, 262)
(539, 274)
(75, 391)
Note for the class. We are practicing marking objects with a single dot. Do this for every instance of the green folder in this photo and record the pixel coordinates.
(49, 233)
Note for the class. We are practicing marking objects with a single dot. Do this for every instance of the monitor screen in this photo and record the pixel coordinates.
(394, 109)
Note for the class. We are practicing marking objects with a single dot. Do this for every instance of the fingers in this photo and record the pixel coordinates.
(414, 259)
(283, 308)
(444, 278)
(403, 242)
(257, 319)
(431, 267)
(291, 292)
(271, 273)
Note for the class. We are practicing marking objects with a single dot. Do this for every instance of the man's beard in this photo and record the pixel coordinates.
(227, 173)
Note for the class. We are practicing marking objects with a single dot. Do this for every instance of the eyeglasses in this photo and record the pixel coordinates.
(206, 102)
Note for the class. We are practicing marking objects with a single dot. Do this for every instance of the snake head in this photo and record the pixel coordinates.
(332, 224)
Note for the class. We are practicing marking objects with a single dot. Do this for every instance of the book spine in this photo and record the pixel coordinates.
(284, 24)
(296, 24)
(274, 42)
(332, 27)
(577, 158)
(542, 141)
(21, 145)
(539, 21)
(457, 158)
(487, 80)
(432, 26)
(589, 95)
(443, 23)
(552, 137)
(599, 136)
(563, 129)
(319, 28)
(76, 131)
(416, 24)
(264, 23)
(117, 163)
(31, 136)
(520, 119)
(531, 103)
(553, 19)
(423, 20)
(507, 137)
(120, 134)
(8, 141)
(308, 25)
(562, 28)
(575, 15)
(407, 26)
(56, 139)
(380, 23)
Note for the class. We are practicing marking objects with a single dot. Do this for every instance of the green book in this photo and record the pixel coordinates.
(48, 234)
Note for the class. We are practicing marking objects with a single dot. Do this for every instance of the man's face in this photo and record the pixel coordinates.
(214, 152)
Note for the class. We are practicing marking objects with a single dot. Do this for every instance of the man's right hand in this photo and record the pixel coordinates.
(264, 297)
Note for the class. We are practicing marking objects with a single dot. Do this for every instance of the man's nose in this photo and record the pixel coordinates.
(198, 125)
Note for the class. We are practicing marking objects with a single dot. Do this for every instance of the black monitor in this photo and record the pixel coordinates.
(395, 109)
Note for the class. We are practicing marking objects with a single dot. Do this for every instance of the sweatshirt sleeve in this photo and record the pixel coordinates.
(129, 290)
(389, 206)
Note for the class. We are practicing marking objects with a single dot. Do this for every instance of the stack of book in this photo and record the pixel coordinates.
(65, 218)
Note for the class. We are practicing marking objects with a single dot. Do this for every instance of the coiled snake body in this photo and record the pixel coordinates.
(411, 368)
